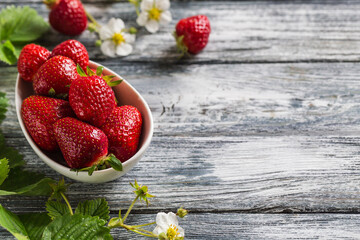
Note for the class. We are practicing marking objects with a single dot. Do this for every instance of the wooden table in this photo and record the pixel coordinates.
(258, 135)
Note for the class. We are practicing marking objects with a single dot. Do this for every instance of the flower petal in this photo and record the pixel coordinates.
(142, 18)
(181, 231)
(129, 38)
(165, 17)
(108, 48)
(116, 25)
(160, 229)
(124, 49)
(105, 33)
(161, 219)
(152, 26)
(146, 5)
(162, 4)
(172, 219)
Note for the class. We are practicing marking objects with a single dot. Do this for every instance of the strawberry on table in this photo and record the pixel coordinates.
(55, 76)
(31, 58)
(67, 16)
(39, 114)
(192, 34)
(74, 50)
(123, 129)
(82, 144)
(92, 99)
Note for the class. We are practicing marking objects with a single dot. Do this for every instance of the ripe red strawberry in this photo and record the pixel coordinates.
(74, 50)
(83, 146)
(55, 76)
(67, 16)
(39, 114)
(123, 129)
(192, 33)
(92, 99)
(31, 58)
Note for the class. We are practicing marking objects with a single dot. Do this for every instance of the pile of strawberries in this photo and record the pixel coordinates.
(75, 111)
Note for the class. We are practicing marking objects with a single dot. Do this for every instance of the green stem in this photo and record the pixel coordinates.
(67, 203)
(92, 19)
(144, 234)
(143, 225)
(129, 210)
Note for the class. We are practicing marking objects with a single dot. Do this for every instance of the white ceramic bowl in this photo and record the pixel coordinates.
(126, 95)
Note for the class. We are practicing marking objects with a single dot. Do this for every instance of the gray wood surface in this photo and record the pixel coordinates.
(258, 135)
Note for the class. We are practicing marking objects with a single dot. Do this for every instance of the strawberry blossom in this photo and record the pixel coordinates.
(168, 227)
(153, 14)
(115, 38)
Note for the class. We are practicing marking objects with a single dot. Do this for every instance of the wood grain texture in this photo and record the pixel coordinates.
(241, 31)
(265, 120)
(254, 226)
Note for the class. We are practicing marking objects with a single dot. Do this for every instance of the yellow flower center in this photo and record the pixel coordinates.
(172, 232)
(154, 13)
(118, 38)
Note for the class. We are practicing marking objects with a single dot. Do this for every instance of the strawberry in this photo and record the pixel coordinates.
(67, 16)
(82, 145)
(39, 114)
(74, 50)
(55, 76)
(92, 99)
(192, 33)
(123, 129)
(31, 58)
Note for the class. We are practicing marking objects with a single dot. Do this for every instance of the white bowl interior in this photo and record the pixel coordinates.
(126, 95)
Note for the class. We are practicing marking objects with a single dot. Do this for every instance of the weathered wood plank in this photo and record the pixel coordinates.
(254, 226)
(281, 139)
(241, 31)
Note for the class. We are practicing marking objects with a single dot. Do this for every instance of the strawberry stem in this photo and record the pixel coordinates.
(180, 45)
(67, 203)
(92, 19)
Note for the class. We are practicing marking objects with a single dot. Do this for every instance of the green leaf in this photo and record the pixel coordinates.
(3, 106)
(97, 207)
(21, 24)
(58, 188)
(8, 53)
(35, 223)
(77, 227)
(80, 71)
(108, 78)
(99, 70)
(13, 224)
(4, 169)
(14, 157)
(115, 163)
(24, 182)
(56, 209)
(114, 83)
(89, 71)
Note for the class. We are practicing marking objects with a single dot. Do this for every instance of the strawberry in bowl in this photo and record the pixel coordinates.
(84, 144)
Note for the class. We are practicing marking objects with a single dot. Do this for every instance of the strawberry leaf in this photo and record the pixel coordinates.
(3, 106)
(99, 70)
(13, 224)
(58, 189)
(114, 83)
(56, 209)
(89, 71)
(4, 169)
(25, 182)
(35, 223)
(8, 53)
(80, 71)
(97, 207)
(21, 24)
(114, 162)
(80, 226)
(14, 157)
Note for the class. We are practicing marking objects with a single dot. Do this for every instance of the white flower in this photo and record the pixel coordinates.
(168, 225)
(115, 40)
(154, 13)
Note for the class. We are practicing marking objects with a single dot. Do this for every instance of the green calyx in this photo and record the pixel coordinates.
(180, 44)
(109, 161)
(99, 71)
(51, 3)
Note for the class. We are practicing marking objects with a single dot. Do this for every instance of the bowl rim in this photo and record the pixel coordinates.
(39, 152)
